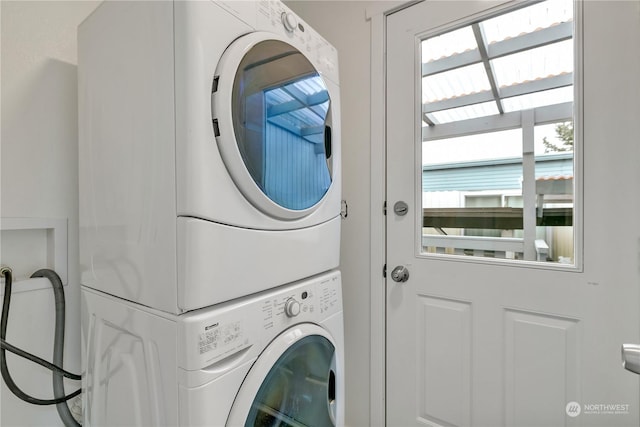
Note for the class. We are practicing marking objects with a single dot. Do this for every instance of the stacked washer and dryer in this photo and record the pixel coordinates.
(209, 216)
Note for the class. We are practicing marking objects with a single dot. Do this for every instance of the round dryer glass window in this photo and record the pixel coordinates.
(300, 388)
(282, 124)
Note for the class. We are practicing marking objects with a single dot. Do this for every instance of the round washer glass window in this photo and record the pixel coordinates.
(282, 124)
(300, 388)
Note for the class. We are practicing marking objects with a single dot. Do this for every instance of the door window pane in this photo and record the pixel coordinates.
(300, 389)
(497, 137)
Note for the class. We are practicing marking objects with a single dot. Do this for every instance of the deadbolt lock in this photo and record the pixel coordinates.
(400, 208)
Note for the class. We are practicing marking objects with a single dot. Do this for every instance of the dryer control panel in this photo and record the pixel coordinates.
(274, 16)
(210, 335)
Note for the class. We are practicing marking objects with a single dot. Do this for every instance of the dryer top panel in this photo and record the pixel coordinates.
(275, 17)
(210, 335)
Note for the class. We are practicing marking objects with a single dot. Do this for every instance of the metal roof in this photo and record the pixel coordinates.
(519, 60)
(503, 174)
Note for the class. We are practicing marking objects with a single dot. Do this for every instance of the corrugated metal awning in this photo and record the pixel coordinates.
(519, 60)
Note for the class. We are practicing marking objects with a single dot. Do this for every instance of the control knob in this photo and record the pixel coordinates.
(291, 307)
(289, 21)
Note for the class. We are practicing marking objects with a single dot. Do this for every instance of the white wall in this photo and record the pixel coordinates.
(39, 178)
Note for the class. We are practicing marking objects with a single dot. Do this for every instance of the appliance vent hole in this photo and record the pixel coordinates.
(216, 129)
(214, 89)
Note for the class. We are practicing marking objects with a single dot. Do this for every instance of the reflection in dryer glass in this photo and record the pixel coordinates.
(282, 124)
(300, 388)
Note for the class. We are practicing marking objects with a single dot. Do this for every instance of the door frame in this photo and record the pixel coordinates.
(377, 16)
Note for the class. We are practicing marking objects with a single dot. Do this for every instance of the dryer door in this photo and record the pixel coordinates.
(292, 383)
(271, 112)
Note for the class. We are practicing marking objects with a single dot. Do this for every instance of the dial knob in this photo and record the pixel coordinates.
(291, 307)
(289, 21)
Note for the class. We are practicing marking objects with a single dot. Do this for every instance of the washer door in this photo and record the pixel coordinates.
(271, 114)
(292, 383)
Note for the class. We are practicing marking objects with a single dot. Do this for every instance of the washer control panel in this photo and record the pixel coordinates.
(310, 301)
(212, 334)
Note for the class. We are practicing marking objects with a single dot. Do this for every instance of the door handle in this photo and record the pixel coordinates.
(631, 357)
(400, 274)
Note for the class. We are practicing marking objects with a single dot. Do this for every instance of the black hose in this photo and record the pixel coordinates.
(18, 351)
(58, 345)
(58, 373)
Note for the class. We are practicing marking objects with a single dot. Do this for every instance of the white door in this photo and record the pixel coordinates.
(532, 338)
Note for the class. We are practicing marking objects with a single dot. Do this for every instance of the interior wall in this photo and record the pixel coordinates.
(344, 24)
(39, 179)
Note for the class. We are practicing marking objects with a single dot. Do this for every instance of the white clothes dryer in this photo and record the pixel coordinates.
(274, 358)
(209, 150)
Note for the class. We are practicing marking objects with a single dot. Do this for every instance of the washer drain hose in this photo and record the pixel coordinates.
(58, 349)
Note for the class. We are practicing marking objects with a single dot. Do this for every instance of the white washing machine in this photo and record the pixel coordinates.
(275, 358)
(209, 151)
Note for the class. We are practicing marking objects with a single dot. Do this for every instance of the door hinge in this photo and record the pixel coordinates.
(384, 271)
(384, 208)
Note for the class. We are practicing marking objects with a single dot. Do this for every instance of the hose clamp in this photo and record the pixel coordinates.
(4, 270)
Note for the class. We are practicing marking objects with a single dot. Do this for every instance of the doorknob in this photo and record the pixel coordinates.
(631, 357)
(400, 274)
